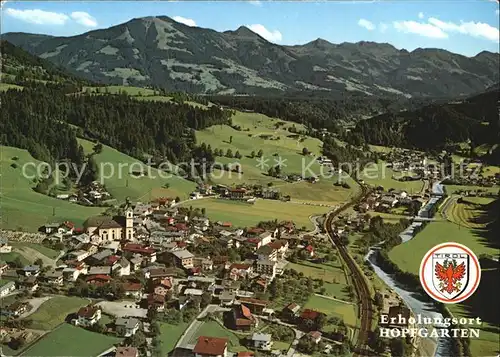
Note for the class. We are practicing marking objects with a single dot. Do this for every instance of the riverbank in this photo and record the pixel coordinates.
(416, 302)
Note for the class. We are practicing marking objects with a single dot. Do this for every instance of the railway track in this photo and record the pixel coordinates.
(360, 284)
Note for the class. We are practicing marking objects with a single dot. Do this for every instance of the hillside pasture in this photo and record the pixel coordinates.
(22, 207)
(252, 132)
(347, 312)
(470, 212)
(381, 175)
(69, 340)
(116, 172)
(243, 214)
(54, 311)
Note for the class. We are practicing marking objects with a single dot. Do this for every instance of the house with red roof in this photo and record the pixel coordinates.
(309, 318)
(133, 289)
(239, 271)
(242, 318)
(314, 336)
(211, 347)
(146, 252)
(245, 354)
(287, 227)
(256, 306)
(309, 250)
(88, 315)
(98, 280)
(156, 302)
(163, 287)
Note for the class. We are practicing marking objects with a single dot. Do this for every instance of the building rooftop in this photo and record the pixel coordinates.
(88, 311)
(266, 337)
(210, 346)
(182, 254)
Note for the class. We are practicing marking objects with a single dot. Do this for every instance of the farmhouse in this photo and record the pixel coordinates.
(126, 352)
(262, 341)
(291, 311)
(242, 318)
(88, 315)
(210, 347)
(256, 306)
(127, 326)
(4, 245)
(17, 308)
(54, 277)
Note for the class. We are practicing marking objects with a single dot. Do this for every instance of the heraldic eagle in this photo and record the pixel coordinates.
(450, 274)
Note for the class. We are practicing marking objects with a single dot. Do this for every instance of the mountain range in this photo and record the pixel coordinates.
(160, 52)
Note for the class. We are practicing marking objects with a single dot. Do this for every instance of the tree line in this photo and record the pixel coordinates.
(46, 122)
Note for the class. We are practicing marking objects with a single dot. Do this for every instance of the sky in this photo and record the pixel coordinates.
(465, 26)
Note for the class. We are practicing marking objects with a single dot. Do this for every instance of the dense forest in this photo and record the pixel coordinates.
(37, 119)
(437, 126)
(317, 112)
(22, 68)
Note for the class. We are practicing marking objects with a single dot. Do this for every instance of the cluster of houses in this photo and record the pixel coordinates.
(472, 173)
(92, 194)
(244, 316)
(384, 201)
(148, 249)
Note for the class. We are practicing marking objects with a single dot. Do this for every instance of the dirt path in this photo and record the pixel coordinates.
(36, 303)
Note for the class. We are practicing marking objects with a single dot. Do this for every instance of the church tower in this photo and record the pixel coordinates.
(129, 224)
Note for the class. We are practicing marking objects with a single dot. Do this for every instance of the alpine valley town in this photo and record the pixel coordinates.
(250, 179)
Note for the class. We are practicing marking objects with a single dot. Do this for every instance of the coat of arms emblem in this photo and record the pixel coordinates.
(450, 272)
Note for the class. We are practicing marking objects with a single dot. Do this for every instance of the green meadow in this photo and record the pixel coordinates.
(260, 132)
(22, 207)
(68, 340)
(115, 171)
(244, 214)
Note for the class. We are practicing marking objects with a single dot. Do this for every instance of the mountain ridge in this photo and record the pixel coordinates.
(158, 51)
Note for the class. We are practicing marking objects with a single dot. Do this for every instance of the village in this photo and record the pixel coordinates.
(155, 258)
(161, 262)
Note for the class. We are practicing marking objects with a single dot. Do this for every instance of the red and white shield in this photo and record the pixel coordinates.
(450, 272)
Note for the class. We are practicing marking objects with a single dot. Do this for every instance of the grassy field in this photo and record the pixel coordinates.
(54, 311)
(244, 214)
(169, 334)
(68, 340)
(133, 91)
(10, 257)
(484, 304)
(51, 253)
(214, 329)
(388, 217)
(259, 132)
(470, 213)
(122, 183)
(336, 291)
(380, 175)
(326, 272)
(346, 312)
(451, 189)
(470, 232)
(23, 208)
(408, 255)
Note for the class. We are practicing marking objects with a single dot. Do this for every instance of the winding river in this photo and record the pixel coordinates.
(411, 299)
